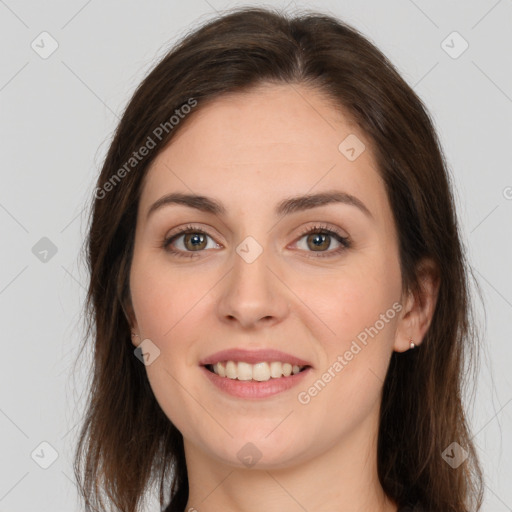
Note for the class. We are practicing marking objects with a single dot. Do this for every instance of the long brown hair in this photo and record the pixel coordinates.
(127, 444)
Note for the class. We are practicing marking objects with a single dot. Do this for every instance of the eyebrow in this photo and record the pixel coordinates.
(285, 207)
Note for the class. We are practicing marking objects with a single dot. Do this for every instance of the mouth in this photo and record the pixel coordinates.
(256, 381)
(259, 372)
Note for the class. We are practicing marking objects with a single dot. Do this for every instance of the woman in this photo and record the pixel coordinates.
(278, 293)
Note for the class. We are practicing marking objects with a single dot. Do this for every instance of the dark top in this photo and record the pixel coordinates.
(405, 508)
(411, 508)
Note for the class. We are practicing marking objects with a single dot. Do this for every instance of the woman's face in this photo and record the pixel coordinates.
(248, 278)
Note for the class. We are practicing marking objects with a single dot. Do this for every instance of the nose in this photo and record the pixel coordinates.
(253, 294)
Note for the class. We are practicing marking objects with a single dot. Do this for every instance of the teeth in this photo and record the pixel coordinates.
(259, 371)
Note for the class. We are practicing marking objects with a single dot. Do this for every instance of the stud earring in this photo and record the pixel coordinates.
(412, 344)
(134, 335)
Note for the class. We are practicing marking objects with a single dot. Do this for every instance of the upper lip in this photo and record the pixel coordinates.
(253, 357)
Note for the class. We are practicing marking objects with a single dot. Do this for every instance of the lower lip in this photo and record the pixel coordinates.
(254, 389)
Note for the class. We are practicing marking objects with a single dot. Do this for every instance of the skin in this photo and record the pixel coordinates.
(250, 151)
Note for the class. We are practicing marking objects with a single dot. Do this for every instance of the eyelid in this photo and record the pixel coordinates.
(321, 226)
(189, 227)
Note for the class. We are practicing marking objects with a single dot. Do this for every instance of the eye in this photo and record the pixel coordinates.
(194, 240)
(322, 239)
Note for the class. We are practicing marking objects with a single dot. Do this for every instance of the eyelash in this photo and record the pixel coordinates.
(321, 229)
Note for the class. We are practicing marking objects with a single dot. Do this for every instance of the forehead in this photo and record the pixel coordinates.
(289, 121)
(256, 147)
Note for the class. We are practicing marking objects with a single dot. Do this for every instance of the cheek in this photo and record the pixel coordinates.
(166, 307)
(363, 314)
(163, 297)
(359, 310)
(352, 300)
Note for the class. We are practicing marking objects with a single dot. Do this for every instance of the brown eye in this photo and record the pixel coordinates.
(194, 241)
(188, 240)
(319, 239)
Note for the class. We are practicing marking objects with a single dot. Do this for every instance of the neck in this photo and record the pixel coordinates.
(342, 478)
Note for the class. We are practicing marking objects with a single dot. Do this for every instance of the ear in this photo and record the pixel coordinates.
(419, 308)
(132, 321)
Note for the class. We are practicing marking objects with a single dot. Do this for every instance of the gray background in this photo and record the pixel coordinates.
(57, 116)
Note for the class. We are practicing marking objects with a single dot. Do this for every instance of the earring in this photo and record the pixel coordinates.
(134, 335)
(412, 344)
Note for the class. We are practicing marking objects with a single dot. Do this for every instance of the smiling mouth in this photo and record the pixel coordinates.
(260, 372)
